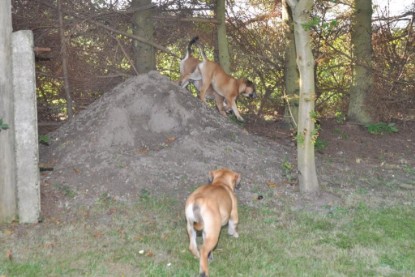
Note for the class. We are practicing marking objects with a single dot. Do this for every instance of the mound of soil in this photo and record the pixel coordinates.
(148, 135)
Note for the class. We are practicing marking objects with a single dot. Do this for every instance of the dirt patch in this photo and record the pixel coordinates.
(149, 136)
(353, 166)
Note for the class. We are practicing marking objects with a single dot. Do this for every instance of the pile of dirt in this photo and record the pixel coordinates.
(148, 135)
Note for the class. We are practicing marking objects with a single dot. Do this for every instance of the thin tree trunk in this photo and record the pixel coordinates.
(64, 53)
(291, 74)
(144, 54)
(305, 131)
(224, 58)
(361, 38)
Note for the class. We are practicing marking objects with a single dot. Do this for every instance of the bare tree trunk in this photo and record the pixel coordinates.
(291, 74)
(305, 131)
(64, 53)
(8, 190)
(224, 58)
(361, 38)
(144, 57)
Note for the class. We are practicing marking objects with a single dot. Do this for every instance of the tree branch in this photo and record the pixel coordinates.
(187, 19)
(143, 40)
(125, 54)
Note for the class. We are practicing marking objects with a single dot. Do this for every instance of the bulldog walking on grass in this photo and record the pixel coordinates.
(210, 207)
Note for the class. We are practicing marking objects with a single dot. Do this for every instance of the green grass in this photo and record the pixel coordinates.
(382, 128)
(320, 144)
(148, 238)
(66, 190)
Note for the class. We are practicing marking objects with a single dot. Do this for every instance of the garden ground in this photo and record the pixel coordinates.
(122, 169)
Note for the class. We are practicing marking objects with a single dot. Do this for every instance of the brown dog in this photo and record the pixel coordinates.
(210, 207)
(188, 66)
(225, 86)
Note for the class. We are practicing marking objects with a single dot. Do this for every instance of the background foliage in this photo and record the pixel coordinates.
(100, 58)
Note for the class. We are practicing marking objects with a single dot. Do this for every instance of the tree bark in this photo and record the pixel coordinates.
(144, 54)
(224, 58)
(361, 39)
(305, 131)
(291, 74)
(64, 53)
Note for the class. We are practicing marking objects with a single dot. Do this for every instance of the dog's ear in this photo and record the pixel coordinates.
(237, 179)
(211, 176)
(249, 83)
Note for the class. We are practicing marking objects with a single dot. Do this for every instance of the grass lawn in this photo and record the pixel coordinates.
(148, 238)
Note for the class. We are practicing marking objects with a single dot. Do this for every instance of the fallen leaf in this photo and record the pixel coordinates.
(98, 234)
(170, 139)
(149, 253)
(8, 232)
(272, 185)
(9, 255)
(122, 234)
(143, 150)
(48, 245)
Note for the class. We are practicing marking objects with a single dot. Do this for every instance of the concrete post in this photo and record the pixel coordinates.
(25, 120)
(8, 206)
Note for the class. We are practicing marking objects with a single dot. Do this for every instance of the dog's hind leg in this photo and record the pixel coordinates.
(192, 244)
(202, 95)
(192, 238)
(194, 76)
(219, 103)
(211, 235)
(206, 81)
(233, 222)
(191, 218)
(184, 82)
(210, 255)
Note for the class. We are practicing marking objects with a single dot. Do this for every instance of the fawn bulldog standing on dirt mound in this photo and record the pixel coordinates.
(225, 87)
(210, 207)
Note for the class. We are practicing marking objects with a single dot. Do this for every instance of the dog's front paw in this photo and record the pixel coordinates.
(223, 113)
(229, 111)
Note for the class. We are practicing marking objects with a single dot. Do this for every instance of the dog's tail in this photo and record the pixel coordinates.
(194, 215)
(191, 42)
(198, 223)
